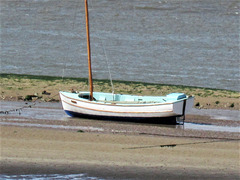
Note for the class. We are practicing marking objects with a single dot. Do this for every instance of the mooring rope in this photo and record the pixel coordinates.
(19, 110)
(108, 65)
(106, 57)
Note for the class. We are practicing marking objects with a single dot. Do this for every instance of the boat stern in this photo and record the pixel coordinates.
(183, 106)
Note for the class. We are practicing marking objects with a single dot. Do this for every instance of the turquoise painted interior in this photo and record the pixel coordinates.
(103, 97)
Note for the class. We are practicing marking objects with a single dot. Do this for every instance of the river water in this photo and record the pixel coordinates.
(184, 42)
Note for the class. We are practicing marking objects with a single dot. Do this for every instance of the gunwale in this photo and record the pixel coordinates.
(125, 105)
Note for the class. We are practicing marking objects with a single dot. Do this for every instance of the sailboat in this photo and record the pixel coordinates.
(102, 105)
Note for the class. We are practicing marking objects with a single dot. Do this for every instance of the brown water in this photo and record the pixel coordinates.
(184, 42)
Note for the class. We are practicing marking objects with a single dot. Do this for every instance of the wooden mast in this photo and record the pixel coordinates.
(89, 52)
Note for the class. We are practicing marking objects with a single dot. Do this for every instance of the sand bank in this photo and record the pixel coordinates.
(33, 150)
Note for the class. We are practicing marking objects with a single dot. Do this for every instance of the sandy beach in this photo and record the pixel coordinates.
(53, 143)
(116, 156)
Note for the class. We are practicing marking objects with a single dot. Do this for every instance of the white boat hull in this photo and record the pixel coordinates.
(75, 106)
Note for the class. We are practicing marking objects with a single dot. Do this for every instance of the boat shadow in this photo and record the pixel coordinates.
(150, 121)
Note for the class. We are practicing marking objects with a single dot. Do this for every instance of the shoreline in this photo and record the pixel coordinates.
(17, 87)
(46, 78)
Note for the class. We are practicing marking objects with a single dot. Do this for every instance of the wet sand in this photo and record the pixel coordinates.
(41, 139)
(27, 150)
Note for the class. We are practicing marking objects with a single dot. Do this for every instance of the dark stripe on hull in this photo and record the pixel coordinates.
(153, 120)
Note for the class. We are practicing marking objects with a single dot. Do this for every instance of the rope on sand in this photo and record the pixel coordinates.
(19, 110)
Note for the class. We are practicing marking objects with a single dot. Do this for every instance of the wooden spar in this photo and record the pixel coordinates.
(89, 52)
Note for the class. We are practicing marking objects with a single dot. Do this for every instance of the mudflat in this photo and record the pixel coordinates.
(26, 150)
